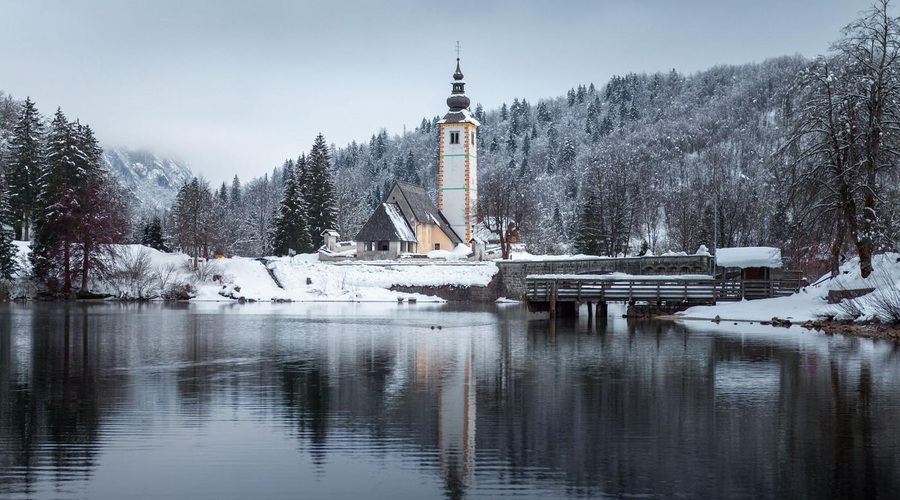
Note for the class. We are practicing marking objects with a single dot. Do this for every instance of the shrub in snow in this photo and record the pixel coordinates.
(882, 304)
(885, 304)
(205, 270)
(179, 291)
(130, 274)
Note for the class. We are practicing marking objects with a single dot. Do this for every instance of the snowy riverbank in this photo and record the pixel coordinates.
(141, 272)
(148, 273)
(811, 304)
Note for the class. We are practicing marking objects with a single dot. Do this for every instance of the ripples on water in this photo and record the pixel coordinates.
(369, 401)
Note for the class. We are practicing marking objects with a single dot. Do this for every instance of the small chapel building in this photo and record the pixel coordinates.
(407, 220)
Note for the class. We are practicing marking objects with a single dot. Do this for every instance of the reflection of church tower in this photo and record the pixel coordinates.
(458, 161)
(456, 420)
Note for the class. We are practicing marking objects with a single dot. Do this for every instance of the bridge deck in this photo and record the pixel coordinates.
(653, 288)
(650, 289)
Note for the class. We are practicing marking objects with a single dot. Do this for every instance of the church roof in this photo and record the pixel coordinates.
(423, 209)
(387, 224)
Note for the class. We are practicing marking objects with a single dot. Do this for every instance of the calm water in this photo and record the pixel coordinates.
(368, 401)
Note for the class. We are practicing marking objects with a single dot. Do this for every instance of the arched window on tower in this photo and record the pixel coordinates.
(454, 137)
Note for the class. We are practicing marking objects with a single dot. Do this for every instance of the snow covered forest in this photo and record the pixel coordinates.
(794, 153)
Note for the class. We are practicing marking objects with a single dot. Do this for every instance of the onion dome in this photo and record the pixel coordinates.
(458, 99)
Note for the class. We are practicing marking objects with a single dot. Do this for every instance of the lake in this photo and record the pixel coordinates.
(413, 401)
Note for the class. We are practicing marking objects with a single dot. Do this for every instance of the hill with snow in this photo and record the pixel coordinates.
(152, 180)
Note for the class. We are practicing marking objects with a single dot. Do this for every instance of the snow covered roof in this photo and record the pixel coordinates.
(330, 232)
(386, 224)
(744, 257)
(462, 116)
(422, 208)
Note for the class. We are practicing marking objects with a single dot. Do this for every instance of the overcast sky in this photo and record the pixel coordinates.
(235, 87)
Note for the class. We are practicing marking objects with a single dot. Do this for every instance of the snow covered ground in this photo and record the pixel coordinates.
(301, 278)
(305, 278)
(810, 303)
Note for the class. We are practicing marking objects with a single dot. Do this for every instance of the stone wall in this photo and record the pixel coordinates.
(512, 274)
(453, 293)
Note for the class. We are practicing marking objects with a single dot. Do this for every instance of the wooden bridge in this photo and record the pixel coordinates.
(565, 293)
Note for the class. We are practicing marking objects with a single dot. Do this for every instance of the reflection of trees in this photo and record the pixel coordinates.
(58, 401)
(638, 410)
(307, 402)
(195, 376)
(634, 408)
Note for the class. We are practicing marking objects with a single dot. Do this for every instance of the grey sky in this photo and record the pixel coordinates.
(235, 87)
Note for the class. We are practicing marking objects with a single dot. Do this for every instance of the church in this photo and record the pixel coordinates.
(407, 221)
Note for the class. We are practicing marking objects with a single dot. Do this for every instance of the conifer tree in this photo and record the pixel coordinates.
(153, 235)
(26, 160)
(235, 198)
(291, 231)
(100, 213)
(54, 228)
(7, 249)
(319, 190)
(591, 237)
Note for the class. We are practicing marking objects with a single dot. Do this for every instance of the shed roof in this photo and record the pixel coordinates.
(744, 257)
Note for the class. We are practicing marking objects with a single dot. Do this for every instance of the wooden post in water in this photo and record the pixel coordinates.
(553, 299)
(602, 309)
(590, 309)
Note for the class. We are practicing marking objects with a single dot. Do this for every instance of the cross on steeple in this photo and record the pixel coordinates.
(457, 50)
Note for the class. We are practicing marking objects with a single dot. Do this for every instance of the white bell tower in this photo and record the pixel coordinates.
(458, 161)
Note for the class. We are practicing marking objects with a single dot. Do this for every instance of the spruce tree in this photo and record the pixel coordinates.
(319, 191)
(591, 236)
(54, 225)
(153, 235)
(291, 231)
(7, 220)
(26, 159)
(235, 199)
(100, 213)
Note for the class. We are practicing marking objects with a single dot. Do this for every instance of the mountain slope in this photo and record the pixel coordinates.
(153, 181)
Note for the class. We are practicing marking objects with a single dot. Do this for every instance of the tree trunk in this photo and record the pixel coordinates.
(67, 265)
(836, 249)
(85, 266)
(865, 249)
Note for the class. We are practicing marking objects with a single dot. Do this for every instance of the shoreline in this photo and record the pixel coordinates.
(829, 327)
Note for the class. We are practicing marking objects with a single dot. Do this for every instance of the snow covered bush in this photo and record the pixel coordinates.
(179, 290)
(131, 275)
(883, 303)
(205, 270)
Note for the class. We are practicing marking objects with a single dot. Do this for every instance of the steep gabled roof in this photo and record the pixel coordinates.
(423, 209)
(386, 224)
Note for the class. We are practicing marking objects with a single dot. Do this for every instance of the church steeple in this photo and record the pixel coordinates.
(458, 99)
(458, 160)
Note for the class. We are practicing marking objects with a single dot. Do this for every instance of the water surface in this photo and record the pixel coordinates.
(419, 401)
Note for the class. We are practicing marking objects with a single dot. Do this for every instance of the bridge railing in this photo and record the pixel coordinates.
(626, 290)
(653, 289)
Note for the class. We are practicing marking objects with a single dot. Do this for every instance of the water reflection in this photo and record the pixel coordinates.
(353, 400)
